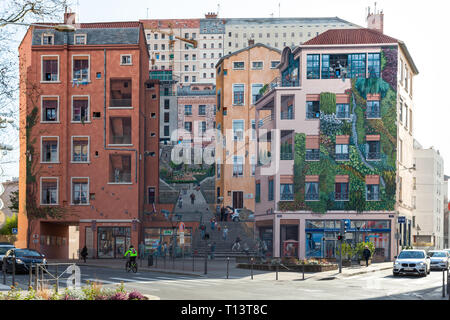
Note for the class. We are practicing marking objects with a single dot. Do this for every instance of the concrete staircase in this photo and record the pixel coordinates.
(223, 247)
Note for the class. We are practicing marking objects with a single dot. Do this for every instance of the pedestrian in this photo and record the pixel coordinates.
(180, 202)
(236, 246)
(165, 249)
(218, 227)
(192, 198)
(159, 249)
(366, 255)
(225, 232)
(202, 230)
(84, 253)
(225, 214)
(142, 250)
(213, 248)
(212, 221)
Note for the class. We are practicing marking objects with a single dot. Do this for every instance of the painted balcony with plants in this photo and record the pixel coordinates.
(362, 156)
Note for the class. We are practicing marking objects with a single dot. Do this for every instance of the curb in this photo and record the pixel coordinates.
(143, 269)
(339, 276)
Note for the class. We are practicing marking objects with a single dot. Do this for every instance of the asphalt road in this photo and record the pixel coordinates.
(375, 285)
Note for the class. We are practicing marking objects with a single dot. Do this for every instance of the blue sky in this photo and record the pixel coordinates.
(421, 25)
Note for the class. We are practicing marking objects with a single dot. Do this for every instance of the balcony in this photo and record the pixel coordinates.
(265, 120)
(373, 114)
(343, 115)
(286, 156)
(373, 156)
(373, 196)
(126, 139)
(120, 93)
(117, 103)
(312, 154)
(276, 83)
(287, 116)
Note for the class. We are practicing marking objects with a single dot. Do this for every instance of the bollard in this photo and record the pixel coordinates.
(228, 265)
(57, 280)
(251, 267)
(303, 271)
(206, 262)
(4, 271)
(36, 277)
(277, 271)
(443, 284)
(30, 278)
(156, 262)
(173, 262)
(164, 261)
(14, 271)
(193, 256)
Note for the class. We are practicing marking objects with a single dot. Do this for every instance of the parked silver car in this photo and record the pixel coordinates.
(412, 262)
(439, 259)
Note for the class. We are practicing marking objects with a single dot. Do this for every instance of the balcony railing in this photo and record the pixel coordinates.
(341, 196)
(286, 196)
(121, 177)
(277, 82)
(120, 102)
(343, 115)
(286, 156)
(374, 196)
(312, 154)
(312, 115)
(126, 139)
(373, 114)
(373, 156)
(312, 196)
(341, 156)
(287, 115)
(265, 120)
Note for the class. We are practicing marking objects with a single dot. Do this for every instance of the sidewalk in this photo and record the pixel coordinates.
(218, 269)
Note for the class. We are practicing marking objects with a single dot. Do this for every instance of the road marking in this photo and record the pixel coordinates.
(122, 279)
(147, 279)
(166, 278)
(98, 280)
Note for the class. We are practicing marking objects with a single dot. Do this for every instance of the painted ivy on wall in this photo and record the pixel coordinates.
(357, 168)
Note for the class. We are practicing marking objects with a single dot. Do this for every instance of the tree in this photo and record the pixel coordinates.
(14, 198)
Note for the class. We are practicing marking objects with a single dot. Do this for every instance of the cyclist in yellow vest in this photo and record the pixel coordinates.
(133, 254)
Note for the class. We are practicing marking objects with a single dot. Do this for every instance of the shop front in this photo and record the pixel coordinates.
(113, 242)
(321, 237)
(156, 237)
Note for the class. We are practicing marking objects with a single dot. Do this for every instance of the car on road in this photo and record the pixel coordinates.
(438, 259)
(24, 258)
(4, 247)
(412, 262)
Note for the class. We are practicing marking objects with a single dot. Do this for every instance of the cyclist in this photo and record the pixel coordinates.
(133, 254)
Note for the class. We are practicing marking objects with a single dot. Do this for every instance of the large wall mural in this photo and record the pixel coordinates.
(357, 128)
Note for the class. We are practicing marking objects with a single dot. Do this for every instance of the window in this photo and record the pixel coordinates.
(166, 104)
(312, 109)
(120, 168)
(312, 154)
(373, 150)
(79, 39)
(400, 150)
(212, 75)
(212, 66)
(341, 191)
(202, 128)
(156, 36)
(286, 192)
(406, 116)
(220, 46)
(186, 35)
(238, 130)
(373, 65)
(256, 87)
(312, 66)
(373, 109)
(253, 165)
(341, 152)
(253, 137)
(155, 46)
(50, 68)
(202, 110)
(163, 58)
(238, 94)
(187, 110)
(204, 46)
(218, 168)
(218, 100)
(372, 192)
(163, 47)
(406, 78)
(273, 64)
(120, 131)
(343, 111)
(80, 109)
(151, 195)
(188, 126)
(186, 57)
(334, 66)
(166, 116)
(193, 68)
(270, 189)
(400, 113)
(49, 191)
(186, 68)
(125, 59)
(80, 68)
(204, 75)
(238, 166)
(80, 190)
(312, 191)
(50, 109)
(257, 65)
(166, 131)
(186, 78)
(258, 192)
(238, 65)
(357, 65)
(80, 149)
(194, 57)
(47, 39)
(50, 149)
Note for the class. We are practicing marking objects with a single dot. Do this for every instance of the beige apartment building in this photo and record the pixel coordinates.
(240, 77)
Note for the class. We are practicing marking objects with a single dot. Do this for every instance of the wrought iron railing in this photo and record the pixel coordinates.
(341, 156)
(373, 196)
(265, 120)
(286, 156)
(289, 115)
(343, 115)
(373, 114)
(312, 115)
(312, 196)
(342, 196)
(312, 154)
(286, 196)
(373, 156)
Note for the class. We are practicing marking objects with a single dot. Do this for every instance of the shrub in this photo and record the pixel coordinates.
(136, 296)
(119, 296)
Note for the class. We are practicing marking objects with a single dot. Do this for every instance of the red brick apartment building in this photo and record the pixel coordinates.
(89, 138)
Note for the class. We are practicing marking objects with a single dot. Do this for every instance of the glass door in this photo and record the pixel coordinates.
(120, 246)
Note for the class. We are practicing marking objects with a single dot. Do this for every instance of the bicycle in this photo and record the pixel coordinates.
(131, 266)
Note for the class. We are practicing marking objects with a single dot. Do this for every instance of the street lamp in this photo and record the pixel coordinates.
(58, 27)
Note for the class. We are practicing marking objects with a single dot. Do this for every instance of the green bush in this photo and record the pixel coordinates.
(361, 246)
(328, 102)
(11, 222)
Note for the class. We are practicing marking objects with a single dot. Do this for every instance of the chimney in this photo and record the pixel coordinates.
(211, 15)
(69, 17)
(375, 20)
(251, 42)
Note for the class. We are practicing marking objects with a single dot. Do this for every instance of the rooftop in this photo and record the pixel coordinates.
(350, 36)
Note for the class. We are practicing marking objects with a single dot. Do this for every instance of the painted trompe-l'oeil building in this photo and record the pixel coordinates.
(338, 146)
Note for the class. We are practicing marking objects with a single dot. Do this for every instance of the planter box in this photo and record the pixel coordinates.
(363, 262)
